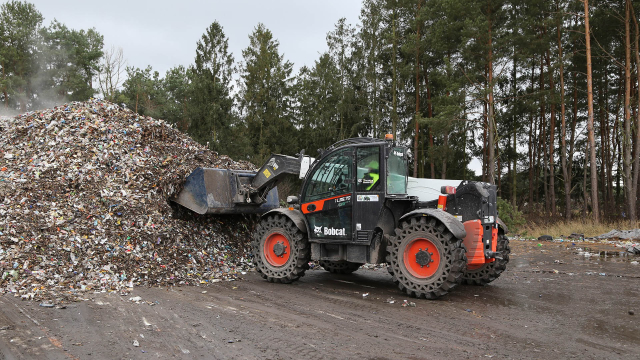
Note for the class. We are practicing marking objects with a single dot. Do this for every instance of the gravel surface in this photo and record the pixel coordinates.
(552, 302)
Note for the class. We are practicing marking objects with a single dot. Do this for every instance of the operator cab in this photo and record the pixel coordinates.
(345, 190)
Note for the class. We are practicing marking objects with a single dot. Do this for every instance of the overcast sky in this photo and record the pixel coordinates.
(163, 33)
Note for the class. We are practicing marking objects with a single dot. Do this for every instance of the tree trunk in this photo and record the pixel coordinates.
(590, 130)
(491, 125)
(563, 144)
(574, 123)
(603, 145)
(636, 171)
(552, 144)
(514, 172)
(531, 167)
(394, 116)
(543, 137)
(584, 183)
(415, 141)
(616, 139)
(430, 115)
(444, 158)
(485, 148)
(628, 183)
(531, 142)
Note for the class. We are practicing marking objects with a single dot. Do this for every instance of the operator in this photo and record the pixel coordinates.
(373, 174)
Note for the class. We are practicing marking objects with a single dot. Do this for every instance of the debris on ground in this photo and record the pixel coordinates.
(406, 303)
(83, 205)
(633, 234)
(575, 236)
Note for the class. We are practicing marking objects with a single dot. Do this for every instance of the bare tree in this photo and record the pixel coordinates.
(111, 74)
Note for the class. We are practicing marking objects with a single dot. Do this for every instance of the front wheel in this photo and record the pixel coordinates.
(425, 259)
(280, 250)
(486, 273)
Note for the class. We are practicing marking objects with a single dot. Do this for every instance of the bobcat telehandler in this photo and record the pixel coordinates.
(357, 205)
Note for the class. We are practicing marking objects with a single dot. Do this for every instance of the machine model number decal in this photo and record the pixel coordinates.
(344, 198)
(368, 198)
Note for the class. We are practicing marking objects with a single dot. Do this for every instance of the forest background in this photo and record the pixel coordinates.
(545, 93)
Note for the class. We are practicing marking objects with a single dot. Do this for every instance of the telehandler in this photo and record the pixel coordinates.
(357, 205)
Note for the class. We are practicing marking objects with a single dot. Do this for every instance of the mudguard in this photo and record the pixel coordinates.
(295, 216)
(454, 225)
(502, 226)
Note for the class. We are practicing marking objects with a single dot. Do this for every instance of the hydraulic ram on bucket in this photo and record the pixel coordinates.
(222, 191)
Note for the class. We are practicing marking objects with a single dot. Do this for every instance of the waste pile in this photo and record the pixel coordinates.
(83, 205)
(628, 235)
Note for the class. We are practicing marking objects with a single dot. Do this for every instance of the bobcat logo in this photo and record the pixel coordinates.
(317, 230)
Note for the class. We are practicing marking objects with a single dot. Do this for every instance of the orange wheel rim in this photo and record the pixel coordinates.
(276, 249)
(421, 258)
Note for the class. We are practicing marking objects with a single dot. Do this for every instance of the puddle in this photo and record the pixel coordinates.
(613, 256)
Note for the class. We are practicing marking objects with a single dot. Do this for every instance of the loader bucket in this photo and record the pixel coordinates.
(212, 191)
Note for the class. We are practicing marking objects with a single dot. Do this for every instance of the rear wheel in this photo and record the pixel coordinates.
(340, 267)
(280, 250)
(486, 273)
(425, 259)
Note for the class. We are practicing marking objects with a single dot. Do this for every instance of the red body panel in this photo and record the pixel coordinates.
(473, 242)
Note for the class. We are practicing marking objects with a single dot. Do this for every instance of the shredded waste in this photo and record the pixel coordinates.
(83, 205)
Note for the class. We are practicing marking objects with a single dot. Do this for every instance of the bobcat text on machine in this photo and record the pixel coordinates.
(357, 205)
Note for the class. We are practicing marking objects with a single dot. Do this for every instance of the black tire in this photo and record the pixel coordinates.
(451, 259)
(340, 267)
(490, 271)
(297, 252)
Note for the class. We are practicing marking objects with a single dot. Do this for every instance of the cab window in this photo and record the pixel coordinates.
(330, 177)
(368, 164)
(397, 172)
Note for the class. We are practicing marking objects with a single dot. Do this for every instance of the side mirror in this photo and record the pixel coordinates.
(292, 200)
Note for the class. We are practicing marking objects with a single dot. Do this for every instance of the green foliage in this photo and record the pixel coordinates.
(143, 91)
(44, 65)
(512, 217)
(70, 59)
(19, 25)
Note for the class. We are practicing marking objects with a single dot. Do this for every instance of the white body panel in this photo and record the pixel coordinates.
(305, 164)
(428, 189)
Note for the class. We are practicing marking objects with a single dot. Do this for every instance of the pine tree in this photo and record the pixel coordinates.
(265, 96)
(210, 101)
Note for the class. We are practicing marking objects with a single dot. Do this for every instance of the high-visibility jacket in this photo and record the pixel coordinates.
(375, 178)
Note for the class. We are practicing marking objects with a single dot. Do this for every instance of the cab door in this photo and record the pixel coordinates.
(370, 190)
(327, 198)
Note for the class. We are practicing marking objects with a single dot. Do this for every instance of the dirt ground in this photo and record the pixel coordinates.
(551, 303)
